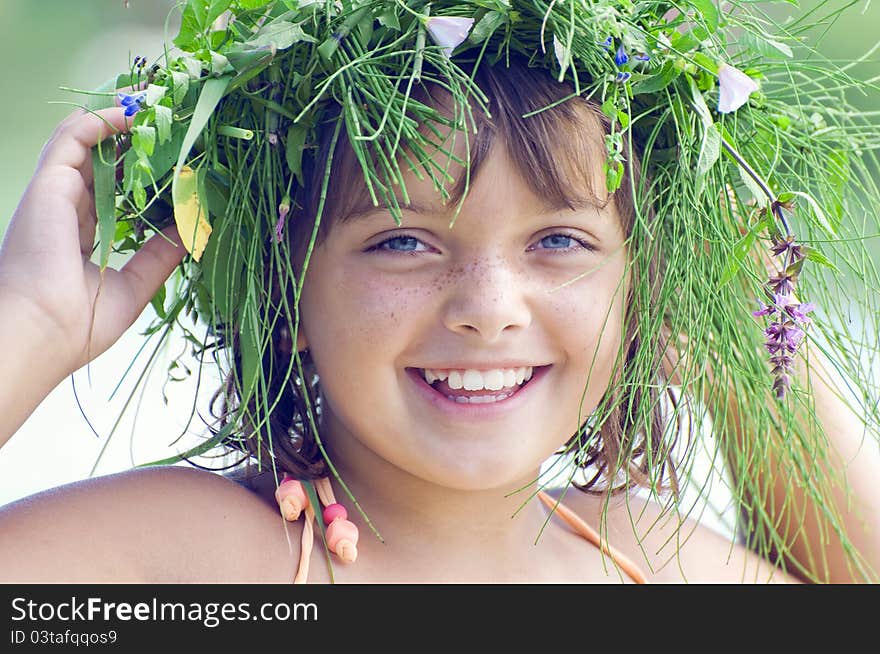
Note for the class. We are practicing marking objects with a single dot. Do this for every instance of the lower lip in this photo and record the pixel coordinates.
(485, 411)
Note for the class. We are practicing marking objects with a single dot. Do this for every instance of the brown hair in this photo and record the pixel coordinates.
(553, 151)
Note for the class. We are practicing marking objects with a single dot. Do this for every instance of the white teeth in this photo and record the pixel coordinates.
(475, 380)
(479, 399)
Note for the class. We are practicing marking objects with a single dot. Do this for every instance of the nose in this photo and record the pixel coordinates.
(487, 298)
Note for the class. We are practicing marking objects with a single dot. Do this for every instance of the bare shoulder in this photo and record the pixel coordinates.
(168, 524)
(669, 547)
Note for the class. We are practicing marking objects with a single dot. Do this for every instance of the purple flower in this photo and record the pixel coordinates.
(283, 210)
(798, 312)
(783, 335)
(765, 310)
(736, 87)
(132, 103)
(788, 245)
(783, 282)
(781, 385)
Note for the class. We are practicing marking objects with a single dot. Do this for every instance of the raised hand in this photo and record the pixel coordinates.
(56, 311)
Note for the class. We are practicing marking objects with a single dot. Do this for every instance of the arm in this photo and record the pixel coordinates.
(812, 548)
(850, 458)
(58, 311)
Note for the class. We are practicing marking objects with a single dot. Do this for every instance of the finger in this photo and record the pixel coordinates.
(87, 221)
(151, 266)
(71, 144)
(46, 216)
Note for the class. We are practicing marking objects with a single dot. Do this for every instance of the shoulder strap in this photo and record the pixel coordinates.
(584, 530)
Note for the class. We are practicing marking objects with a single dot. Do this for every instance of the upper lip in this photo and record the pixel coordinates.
(495, 365)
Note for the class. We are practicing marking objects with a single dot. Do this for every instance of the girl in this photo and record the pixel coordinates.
(532, 301)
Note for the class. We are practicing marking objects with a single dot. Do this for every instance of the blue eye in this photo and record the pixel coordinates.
(559, 241)
(408, 243)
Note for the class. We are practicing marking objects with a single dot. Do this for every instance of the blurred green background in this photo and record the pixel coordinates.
(52, 43)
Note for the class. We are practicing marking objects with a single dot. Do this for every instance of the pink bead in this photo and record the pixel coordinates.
(291, 498)
(334, 511)
(342, 538)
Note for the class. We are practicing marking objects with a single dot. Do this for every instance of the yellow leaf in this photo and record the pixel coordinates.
(189, 213)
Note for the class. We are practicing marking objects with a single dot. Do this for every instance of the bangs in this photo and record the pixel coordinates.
(559, 152)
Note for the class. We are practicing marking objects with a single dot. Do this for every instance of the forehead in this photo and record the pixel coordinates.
(496, 186)
(546, 167)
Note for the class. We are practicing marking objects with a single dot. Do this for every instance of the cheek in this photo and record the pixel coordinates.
(358, 310)
(588, 317)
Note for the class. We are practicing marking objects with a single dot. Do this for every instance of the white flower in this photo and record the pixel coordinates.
(448, 31)
(736, 87)
(560, 51)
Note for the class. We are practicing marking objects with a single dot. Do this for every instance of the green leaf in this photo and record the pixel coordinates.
(710, 150)
(709, 11)
(104, 171)
(281, 34)
(486, 27)
(738, 256)
(143, 139)
(139, 193)
(252, 4)
(160, 161)
(765, 46)
(158, 302)
(829, 227)
(198, 15)
(251, 353)
(248, 58)
(180, 84)
(212, 93)
(706, 63)
(223, 265)
(699, 104)
(296, 139)
(389, 19)
(815, 255)
(164, 119)
(657, 82)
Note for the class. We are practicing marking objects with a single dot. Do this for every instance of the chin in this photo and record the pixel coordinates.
(473, 476)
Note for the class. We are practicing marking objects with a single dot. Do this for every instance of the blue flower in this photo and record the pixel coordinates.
(620, 58)
(642, 57)
(607, 43)
(132, 103)
(622, 76)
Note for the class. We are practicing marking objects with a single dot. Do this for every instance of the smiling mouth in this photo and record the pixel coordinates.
(481, 396)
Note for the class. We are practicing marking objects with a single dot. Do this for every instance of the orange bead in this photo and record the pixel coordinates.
(291, 497)
(342, 537)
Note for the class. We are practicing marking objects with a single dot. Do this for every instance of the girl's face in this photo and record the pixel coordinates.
(383, 303)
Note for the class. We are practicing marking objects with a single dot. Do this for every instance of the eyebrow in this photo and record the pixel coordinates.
(368, 212)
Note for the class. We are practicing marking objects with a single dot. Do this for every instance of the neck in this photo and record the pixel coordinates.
(431, 532)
